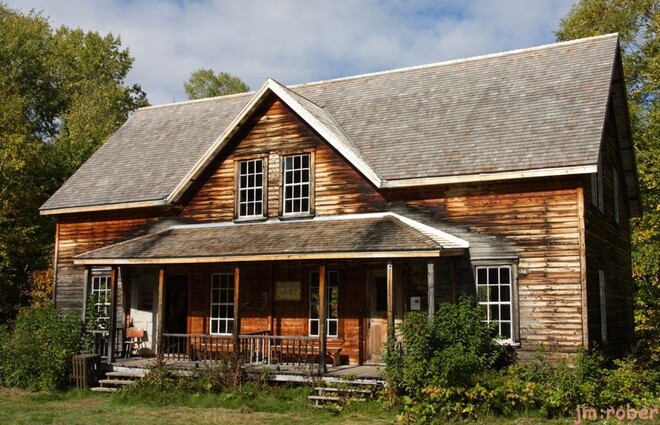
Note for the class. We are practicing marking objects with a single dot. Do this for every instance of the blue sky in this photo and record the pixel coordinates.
(297, 41)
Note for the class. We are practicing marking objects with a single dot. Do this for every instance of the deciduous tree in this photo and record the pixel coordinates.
(205, 83)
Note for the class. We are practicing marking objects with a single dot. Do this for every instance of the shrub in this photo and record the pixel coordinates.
(37, 352)
(446, 351)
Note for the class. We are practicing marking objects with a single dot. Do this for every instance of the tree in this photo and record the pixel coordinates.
(637, 22)
(205, 83)
(63, 94)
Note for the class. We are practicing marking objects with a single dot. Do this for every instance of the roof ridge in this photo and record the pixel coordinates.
(206, 99)
(460, 60)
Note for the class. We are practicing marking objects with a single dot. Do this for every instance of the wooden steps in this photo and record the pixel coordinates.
(116, 380)
(342, 393)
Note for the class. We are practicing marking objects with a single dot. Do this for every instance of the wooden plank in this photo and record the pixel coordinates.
(390, 300)
(160, 312)
(236, 331)
(86, 284)
(113, 315)
(430, 279)
(323, 310)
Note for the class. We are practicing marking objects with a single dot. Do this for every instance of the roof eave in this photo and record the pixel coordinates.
(104, 207)
(484, 177)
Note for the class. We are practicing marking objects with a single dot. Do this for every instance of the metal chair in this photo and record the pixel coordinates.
(134, 340)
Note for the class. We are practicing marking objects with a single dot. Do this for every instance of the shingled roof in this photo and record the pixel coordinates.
(531, 112)
(375, 235)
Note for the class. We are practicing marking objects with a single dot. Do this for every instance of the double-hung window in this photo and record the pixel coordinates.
(100, 291)
(296, 184)
(495, 295)
(222, 303)
(250, 188)
(332, 304)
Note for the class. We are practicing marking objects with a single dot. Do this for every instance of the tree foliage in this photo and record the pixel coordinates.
(205, 83)
(637, 22)
(63, 94)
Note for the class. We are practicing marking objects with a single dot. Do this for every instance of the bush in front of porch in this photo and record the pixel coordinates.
(450, 349)
(36, 352)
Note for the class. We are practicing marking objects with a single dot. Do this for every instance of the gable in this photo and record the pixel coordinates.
(274, 131)
(531, 113)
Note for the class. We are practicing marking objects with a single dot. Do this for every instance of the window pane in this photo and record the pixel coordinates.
(505, 312)
(481, 276)
(505, 329)
(482, 293)
(505, 293)
(504, 276)
(494, 293)
(332, 328)
(494, 312)
(314, 327)
(492, 276)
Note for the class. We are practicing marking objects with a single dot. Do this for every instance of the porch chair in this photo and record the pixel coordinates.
(134, 340)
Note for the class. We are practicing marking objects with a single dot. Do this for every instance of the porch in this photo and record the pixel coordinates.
(329, 297)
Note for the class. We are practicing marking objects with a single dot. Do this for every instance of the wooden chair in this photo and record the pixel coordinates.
(134, 340)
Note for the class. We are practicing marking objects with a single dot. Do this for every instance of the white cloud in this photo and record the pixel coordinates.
(297, 41)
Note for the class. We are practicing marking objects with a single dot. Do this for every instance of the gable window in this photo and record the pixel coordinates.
(495, 295)
(597, 191)
(222, 303)
(615, 189)
(332, 315)
(251, 188)
(296, 185)
(100, 292)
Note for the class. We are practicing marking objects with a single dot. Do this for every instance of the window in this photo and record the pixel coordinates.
(494, 293)
(603, 305)
(597, 190)
(251, 188)
(222, 303)
(332, 321)
(615, 189)
(101, 297)
(296, 184)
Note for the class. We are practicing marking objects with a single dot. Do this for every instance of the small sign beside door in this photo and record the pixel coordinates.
(415, 303)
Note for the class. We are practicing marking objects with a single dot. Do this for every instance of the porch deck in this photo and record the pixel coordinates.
(367, 374)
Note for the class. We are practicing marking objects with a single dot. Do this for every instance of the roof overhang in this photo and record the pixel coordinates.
(356, 236)
(106, 207)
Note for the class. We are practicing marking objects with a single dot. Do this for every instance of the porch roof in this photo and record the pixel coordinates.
(376, 235)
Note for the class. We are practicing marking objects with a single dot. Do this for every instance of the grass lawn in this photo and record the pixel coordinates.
(250, 405)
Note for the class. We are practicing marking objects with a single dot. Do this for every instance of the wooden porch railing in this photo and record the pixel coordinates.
(255, 348)
(96, 342)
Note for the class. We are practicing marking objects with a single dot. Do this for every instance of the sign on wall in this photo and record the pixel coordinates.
(287, 291)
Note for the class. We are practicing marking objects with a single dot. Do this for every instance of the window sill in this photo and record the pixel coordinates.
(305, 216)
(254, 219)
(509, 343)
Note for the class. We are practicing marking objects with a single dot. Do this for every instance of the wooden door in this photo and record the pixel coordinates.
(377, 320)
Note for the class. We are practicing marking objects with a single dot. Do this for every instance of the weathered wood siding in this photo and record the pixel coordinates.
(273, 133)
(80, 233)
(608, 248)
(540, 219)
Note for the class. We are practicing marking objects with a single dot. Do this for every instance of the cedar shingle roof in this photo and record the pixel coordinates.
(532, 109)
(358, 236)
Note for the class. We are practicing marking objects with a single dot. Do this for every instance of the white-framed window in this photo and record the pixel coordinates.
(603, 305)
(222, 303)
(332, 304)
(296, 186)
(495, 295)
(251, 188)
(100, 290)
(615, 190)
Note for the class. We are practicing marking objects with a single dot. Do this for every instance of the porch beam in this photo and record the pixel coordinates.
(390, 301)
(430, 279)
(113, 315)
(159, 312)
(236, 330)
(323, 307)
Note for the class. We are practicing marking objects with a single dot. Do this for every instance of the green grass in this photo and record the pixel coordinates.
(251, 404)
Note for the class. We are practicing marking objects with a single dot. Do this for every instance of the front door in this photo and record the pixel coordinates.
(377, 320)
(143, 299)
(176, 305)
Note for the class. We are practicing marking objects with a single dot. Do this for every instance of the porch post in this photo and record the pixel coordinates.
(430, 278)
(113, 315)
(86, 294)
(390, 301)
(236, 331)
(159, 312)
(323, 309)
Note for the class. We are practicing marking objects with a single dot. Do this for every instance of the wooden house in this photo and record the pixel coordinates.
(318, 214)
